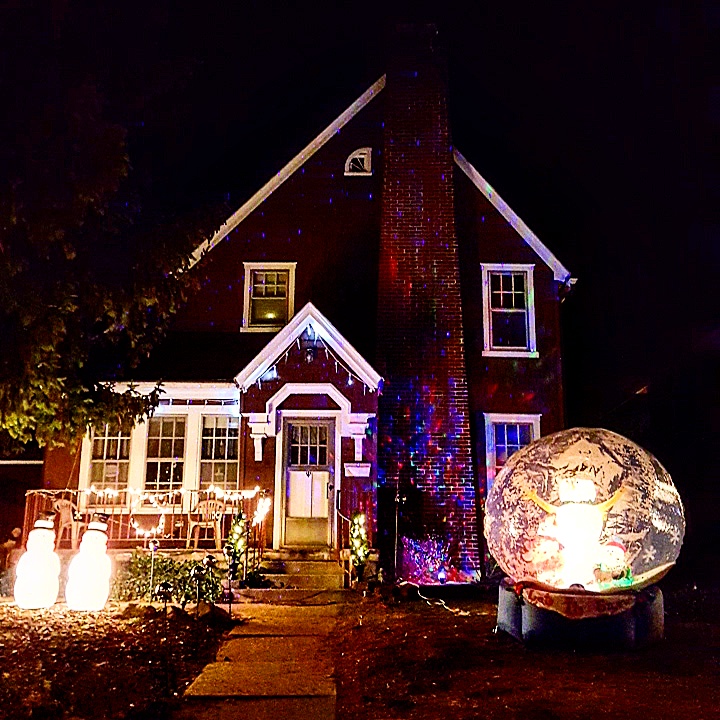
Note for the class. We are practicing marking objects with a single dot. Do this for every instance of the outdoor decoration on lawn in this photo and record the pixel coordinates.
(427, 562)
(37, 575)
(359, 545)
(584, 509)
(88, 583)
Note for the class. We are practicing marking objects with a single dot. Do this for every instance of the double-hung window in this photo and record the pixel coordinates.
(504, 435)
(165, 454)
(219, 455)
(110, 457)
(269, 296)
(508, 311)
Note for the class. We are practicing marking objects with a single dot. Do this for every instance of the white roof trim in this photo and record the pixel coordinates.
(298, 161)
(561, 273)
(322, 328)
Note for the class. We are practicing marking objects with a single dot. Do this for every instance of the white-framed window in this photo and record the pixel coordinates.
(269, 295)
(508, 311)
(504, 435)
(359, 162)
(219, 464)
(165, 459)
(110, 459)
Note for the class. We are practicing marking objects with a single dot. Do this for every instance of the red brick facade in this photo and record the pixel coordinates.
(424, 421)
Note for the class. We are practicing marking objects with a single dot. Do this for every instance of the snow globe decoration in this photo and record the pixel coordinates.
(38, 570)
(584, 509)
(88, 583)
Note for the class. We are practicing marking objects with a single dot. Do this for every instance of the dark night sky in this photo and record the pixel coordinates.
(597, 122)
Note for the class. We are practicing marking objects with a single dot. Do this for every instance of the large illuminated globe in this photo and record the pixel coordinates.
(38, 570)
(584, 508)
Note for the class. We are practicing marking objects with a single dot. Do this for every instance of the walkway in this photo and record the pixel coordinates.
(275, 664)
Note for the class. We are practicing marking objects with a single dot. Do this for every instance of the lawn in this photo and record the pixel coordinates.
(393, 659)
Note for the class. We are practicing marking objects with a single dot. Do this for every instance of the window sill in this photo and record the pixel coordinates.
(264, 328)
(511, 353)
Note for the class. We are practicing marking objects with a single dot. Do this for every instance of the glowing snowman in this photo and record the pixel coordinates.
(38, 570)
(88, 583)
(579, 525)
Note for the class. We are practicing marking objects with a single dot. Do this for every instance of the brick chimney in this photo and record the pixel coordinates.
(424, 433)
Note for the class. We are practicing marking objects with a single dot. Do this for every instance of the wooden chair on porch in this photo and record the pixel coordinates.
(209, 515)
(68, 521)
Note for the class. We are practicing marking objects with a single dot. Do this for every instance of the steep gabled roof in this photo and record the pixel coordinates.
(322, 328)
(295, 164)
(560, 272)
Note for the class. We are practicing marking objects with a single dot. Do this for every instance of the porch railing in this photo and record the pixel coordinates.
(134, 518)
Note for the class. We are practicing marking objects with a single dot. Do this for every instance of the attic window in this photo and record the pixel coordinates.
(269, 296)
(359, 162)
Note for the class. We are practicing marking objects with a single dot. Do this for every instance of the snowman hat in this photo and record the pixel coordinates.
(616, 542)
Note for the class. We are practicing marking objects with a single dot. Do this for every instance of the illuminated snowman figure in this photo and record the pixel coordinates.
(38, 570)
(88, 584)
(579, 526)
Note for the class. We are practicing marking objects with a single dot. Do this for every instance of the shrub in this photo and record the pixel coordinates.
(132, 581)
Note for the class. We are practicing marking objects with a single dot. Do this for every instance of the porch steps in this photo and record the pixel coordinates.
(303, 574)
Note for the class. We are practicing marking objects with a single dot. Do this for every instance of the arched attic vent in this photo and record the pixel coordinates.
(359, 162)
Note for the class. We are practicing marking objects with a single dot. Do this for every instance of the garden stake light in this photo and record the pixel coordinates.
(154, 545)
(164, 592)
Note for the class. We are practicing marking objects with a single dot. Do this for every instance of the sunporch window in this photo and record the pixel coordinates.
(110, 458)
(165, 454)
(219, 457)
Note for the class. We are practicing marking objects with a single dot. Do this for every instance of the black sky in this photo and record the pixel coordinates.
(597, 122)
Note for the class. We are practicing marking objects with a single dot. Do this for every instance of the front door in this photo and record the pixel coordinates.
(309, 471)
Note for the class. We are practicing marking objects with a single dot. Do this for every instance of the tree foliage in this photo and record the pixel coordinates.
(93, 260)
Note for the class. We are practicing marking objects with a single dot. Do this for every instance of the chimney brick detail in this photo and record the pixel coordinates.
(425, 445)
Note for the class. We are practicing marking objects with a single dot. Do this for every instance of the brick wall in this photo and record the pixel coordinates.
(425, 445)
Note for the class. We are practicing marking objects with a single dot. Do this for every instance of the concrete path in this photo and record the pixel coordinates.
(276, 664)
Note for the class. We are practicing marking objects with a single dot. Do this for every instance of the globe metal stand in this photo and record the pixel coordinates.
(600, 621)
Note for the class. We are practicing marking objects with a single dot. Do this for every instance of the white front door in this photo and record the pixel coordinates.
(308, 482)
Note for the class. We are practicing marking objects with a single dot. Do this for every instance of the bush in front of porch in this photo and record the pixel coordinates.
(136, 579)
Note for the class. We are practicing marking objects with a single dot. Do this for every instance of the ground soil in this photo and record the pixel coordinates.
(427, 661)
(124, 662)
(395, 658)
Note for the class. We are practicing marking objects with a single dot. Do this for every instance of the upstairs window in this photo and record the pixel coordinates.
(508, 311)
(359, 162)
(505, 435)
(269, 300)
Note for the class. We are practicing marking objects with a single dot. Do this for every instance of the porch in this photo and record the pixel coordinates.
(181, 519)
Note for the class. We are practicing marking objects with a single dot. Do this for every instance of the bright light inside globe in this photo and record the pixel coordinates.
(584, 507)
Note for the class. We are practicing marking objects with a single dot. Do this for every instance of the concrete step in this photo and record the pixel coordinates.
(292, 596)
(266, 708)
(301, 553)
(304, 574)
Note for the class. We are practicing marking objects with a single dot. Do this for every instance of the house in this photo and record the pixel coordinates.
(377, 331)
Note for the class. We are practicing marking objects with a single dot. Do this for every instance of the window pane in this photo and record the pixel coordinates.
(509, 330)
(153, 448)
(525, 435)
(512, 434)
(268, 311)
